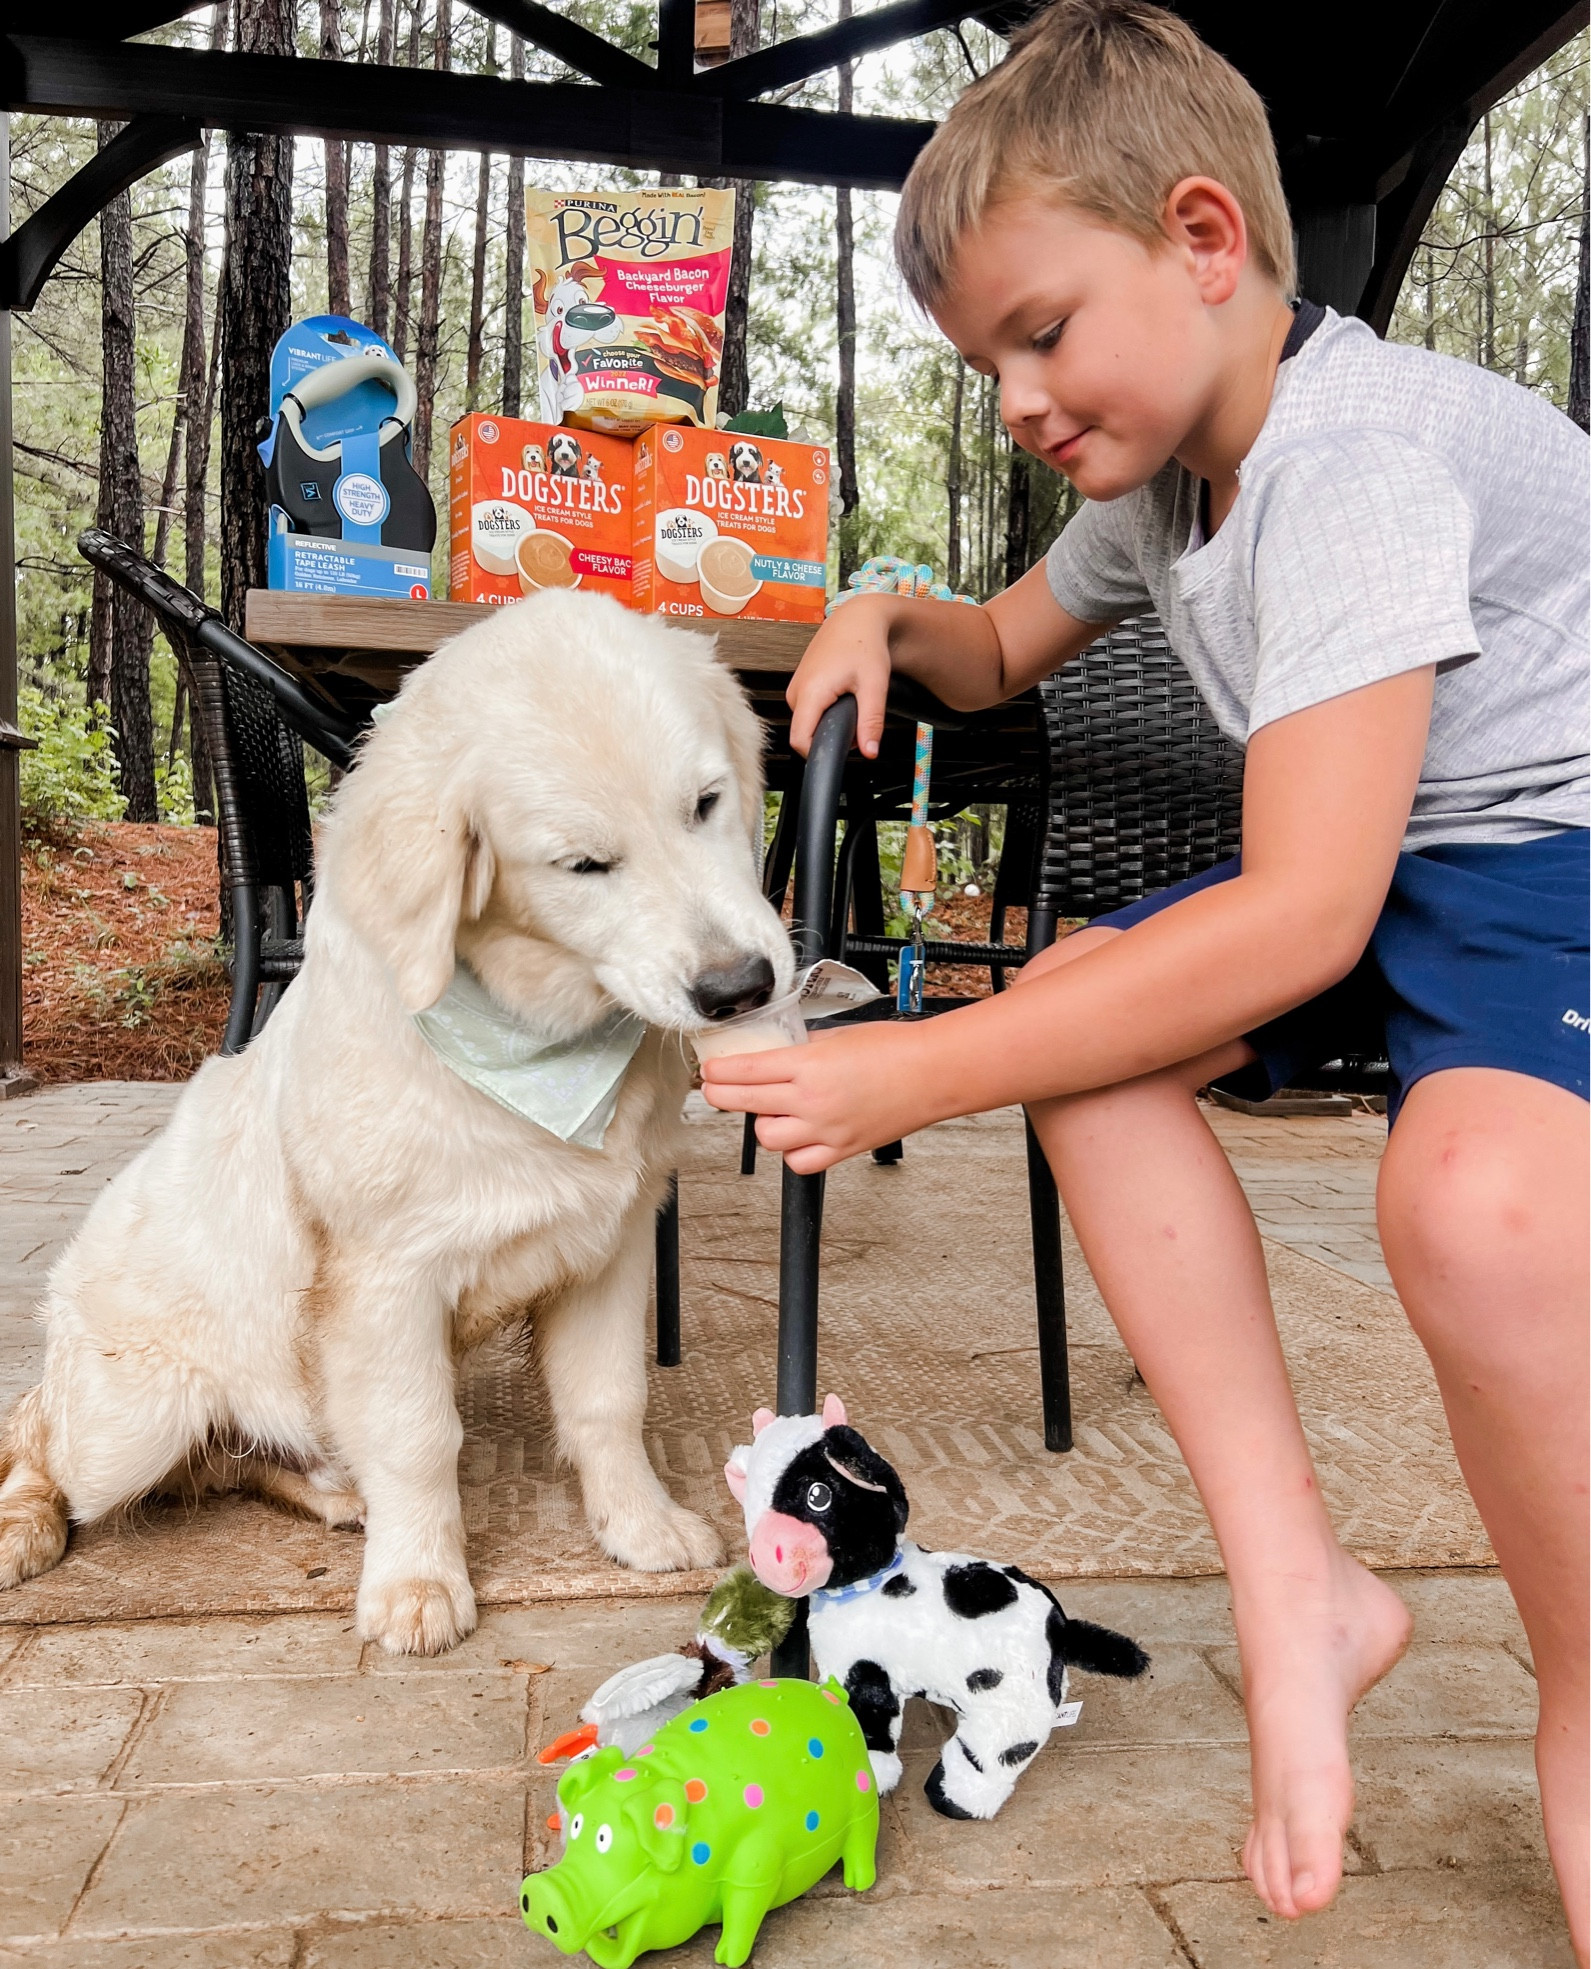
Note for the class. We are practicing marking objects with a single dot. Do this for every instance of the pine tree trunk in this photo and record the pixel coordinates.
(378, 292)
(120, 632)
(402, 307)
(425, 353)
(1579, 405)
(845, 335)
(256, 306)
(953, 480)
(1018, 508)
(483, 201)
(201, 423)
(514, 261)
(1489, 247)
(734, 369)
(337, 295)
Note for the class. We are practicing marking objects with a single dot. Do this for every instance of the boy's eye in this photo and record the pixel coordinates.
(1049, 337)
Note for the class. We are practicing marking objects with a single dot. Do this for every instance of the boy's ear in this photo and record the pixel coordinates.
(1203, 218)
(659, 1816)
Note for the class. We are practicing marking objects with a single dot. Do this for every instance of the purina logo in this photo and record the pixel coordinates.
(1578, 1020)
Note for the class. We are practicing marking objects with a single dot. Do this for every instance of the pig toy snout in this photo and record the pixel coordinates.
(790, 1557)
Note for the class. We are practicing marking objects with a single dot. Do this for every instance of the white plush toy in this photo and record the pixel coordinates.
(824, 1517)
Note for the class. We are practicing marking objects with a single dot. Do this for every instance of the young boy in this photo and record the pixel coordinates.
(1373, 562)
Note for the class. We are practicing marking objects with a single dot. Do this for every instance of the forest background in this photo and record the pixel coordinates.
(117, 368)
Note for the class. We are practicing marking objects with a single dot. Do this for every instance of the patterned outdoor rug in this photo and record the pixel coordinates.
(927, 1331)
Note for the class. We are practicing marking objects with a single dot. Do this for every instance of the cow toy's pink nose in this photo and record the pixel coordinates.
(790, 1557)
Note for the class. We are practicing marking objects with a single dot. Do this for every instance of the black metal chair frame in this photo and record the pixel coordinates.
(255, 714)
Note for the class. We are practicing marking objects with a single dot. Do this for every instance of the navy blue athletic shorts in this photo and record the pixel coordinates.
(1479, 959)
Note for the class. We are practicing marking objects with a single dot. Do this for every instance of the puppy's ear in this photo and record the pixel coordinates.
(406, 864)
(746, 737)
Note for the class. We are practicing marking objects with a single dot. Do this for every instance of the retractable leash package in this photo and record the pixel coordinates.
(349, 513)
(729, 524)
(533, 506)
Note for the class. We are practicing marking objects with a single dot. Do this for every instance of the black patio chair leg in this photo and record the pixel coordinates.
(800, 1242)
(801, 1197)
(245, 967)
(667, 1293)
(748, 1146)
(1049, 1292)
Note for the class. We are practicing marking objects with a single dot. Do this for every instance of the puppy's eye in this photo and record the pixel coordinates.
(587, 866)
(819, 1497)
(604, 1837)
(706, 804)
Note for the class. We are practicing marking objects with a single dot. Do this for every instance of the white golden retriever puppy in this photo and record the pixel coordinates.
(276, 1292)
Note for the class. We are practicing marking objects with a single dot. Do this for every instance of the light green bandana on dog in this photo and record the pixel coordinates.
(568, 1086)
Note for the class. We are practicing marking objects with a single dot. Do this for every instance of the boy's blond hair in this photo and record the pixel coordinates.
(1106, 104)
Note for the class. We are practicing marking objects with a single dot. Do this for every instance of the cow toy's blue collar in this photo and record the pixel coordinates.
(833, 1595)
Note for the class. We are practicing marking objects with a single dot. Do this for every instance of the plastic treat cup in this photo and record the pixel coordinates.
(821, 991)
(544, 559)
(762, 1031)
(725, 576)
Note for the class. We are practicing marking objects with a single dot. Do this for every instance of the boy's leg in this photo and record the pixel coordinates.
(1170, 1238)
(1482, 1205)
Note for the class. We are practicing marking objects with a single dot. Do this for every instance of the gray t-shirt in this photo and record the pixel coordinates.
(1398, 508)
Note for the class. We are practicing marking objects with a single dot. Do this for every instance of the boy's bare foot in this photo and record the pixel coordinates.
(1307, 1659)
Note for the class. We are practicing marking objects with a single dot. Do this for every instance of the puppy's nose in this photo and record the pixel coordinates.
(731, 988)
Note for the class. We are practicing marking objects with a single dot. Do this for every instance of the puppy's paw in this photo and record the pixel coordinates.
(343, 1510)
(416, 1616)
(32, 1531)
(664, 1538)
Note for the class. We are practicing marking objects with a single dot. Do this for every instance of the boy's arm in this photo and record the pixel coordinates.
(1326, 800)
(967, 657)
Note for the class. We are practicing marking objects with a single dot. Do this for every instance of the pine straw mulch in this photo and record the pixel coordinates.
(122, 979)
(121, 976)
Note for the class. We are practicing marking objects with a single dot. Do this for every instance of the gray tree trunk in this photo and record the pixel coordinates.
(119, 633)
(378, 291)
(402, 304)
(845, 335)
(734, 369)
(256, 305)
(514, 261)
(1580, 333)
(475, 347)
(425, 351)
(953, 480)
(337, 294)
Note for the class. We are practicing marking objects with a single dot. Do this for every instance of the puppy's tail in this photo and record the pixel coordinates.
(33, 1507)
(1101, 1650)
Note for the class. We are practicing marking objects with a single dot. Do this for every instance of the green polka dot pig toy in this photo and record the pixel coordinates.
(740, 1804)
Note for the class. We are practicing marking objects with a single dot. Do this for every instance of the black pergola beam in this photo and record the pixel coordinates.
(30, 255)
(792, 61)
(566, 40)
(648, 130)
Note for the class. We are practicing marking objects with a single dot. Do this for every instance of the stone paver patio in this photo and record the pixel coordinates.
(243, 1793)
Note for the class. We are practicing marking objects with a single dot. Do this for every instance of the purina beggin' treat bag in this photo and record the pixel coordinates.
(629, 290)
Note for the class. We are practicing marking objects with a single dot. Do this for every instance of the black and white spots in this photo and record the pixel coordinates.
(891, 1620)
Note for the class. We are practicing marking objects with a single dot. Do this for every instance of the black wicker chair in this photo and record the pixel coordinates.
(257, 717)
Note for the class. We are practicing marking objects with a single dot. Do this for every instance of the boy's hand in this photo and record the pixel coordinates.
(841, 1094)
(850, 653)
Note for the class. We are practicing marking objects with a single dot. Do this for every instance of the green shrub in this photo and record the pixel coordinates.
(71, 778)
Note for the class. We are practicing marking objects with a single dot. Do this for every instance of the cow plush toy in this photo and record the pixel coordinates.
(824, 1516)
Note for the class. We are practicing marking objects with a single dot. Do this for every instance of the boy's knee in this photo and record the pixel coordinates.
(1461, 1202)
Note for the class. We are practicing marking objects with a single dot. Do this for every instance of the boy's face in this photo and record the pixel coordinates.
(1105, 352)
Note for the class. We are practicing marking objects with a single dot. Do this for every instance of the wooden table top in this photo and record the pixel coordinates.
(376, 640)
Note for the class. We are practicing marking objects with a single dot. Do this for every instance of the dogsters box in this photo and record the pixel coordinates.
(535, 506)
(728, 525)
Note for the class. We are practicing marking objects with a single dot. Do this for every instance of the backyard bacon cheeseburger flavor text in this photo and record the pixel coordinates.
(629, 290)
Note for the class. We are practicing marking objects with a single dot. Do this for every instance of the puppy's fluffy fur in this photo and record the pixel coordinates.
(275, 1293)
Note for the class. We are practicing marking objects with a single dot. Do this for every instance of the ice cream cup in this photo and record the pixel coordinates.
(678, 538)
(770, 1026)
(544, 561)
(724, 572)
